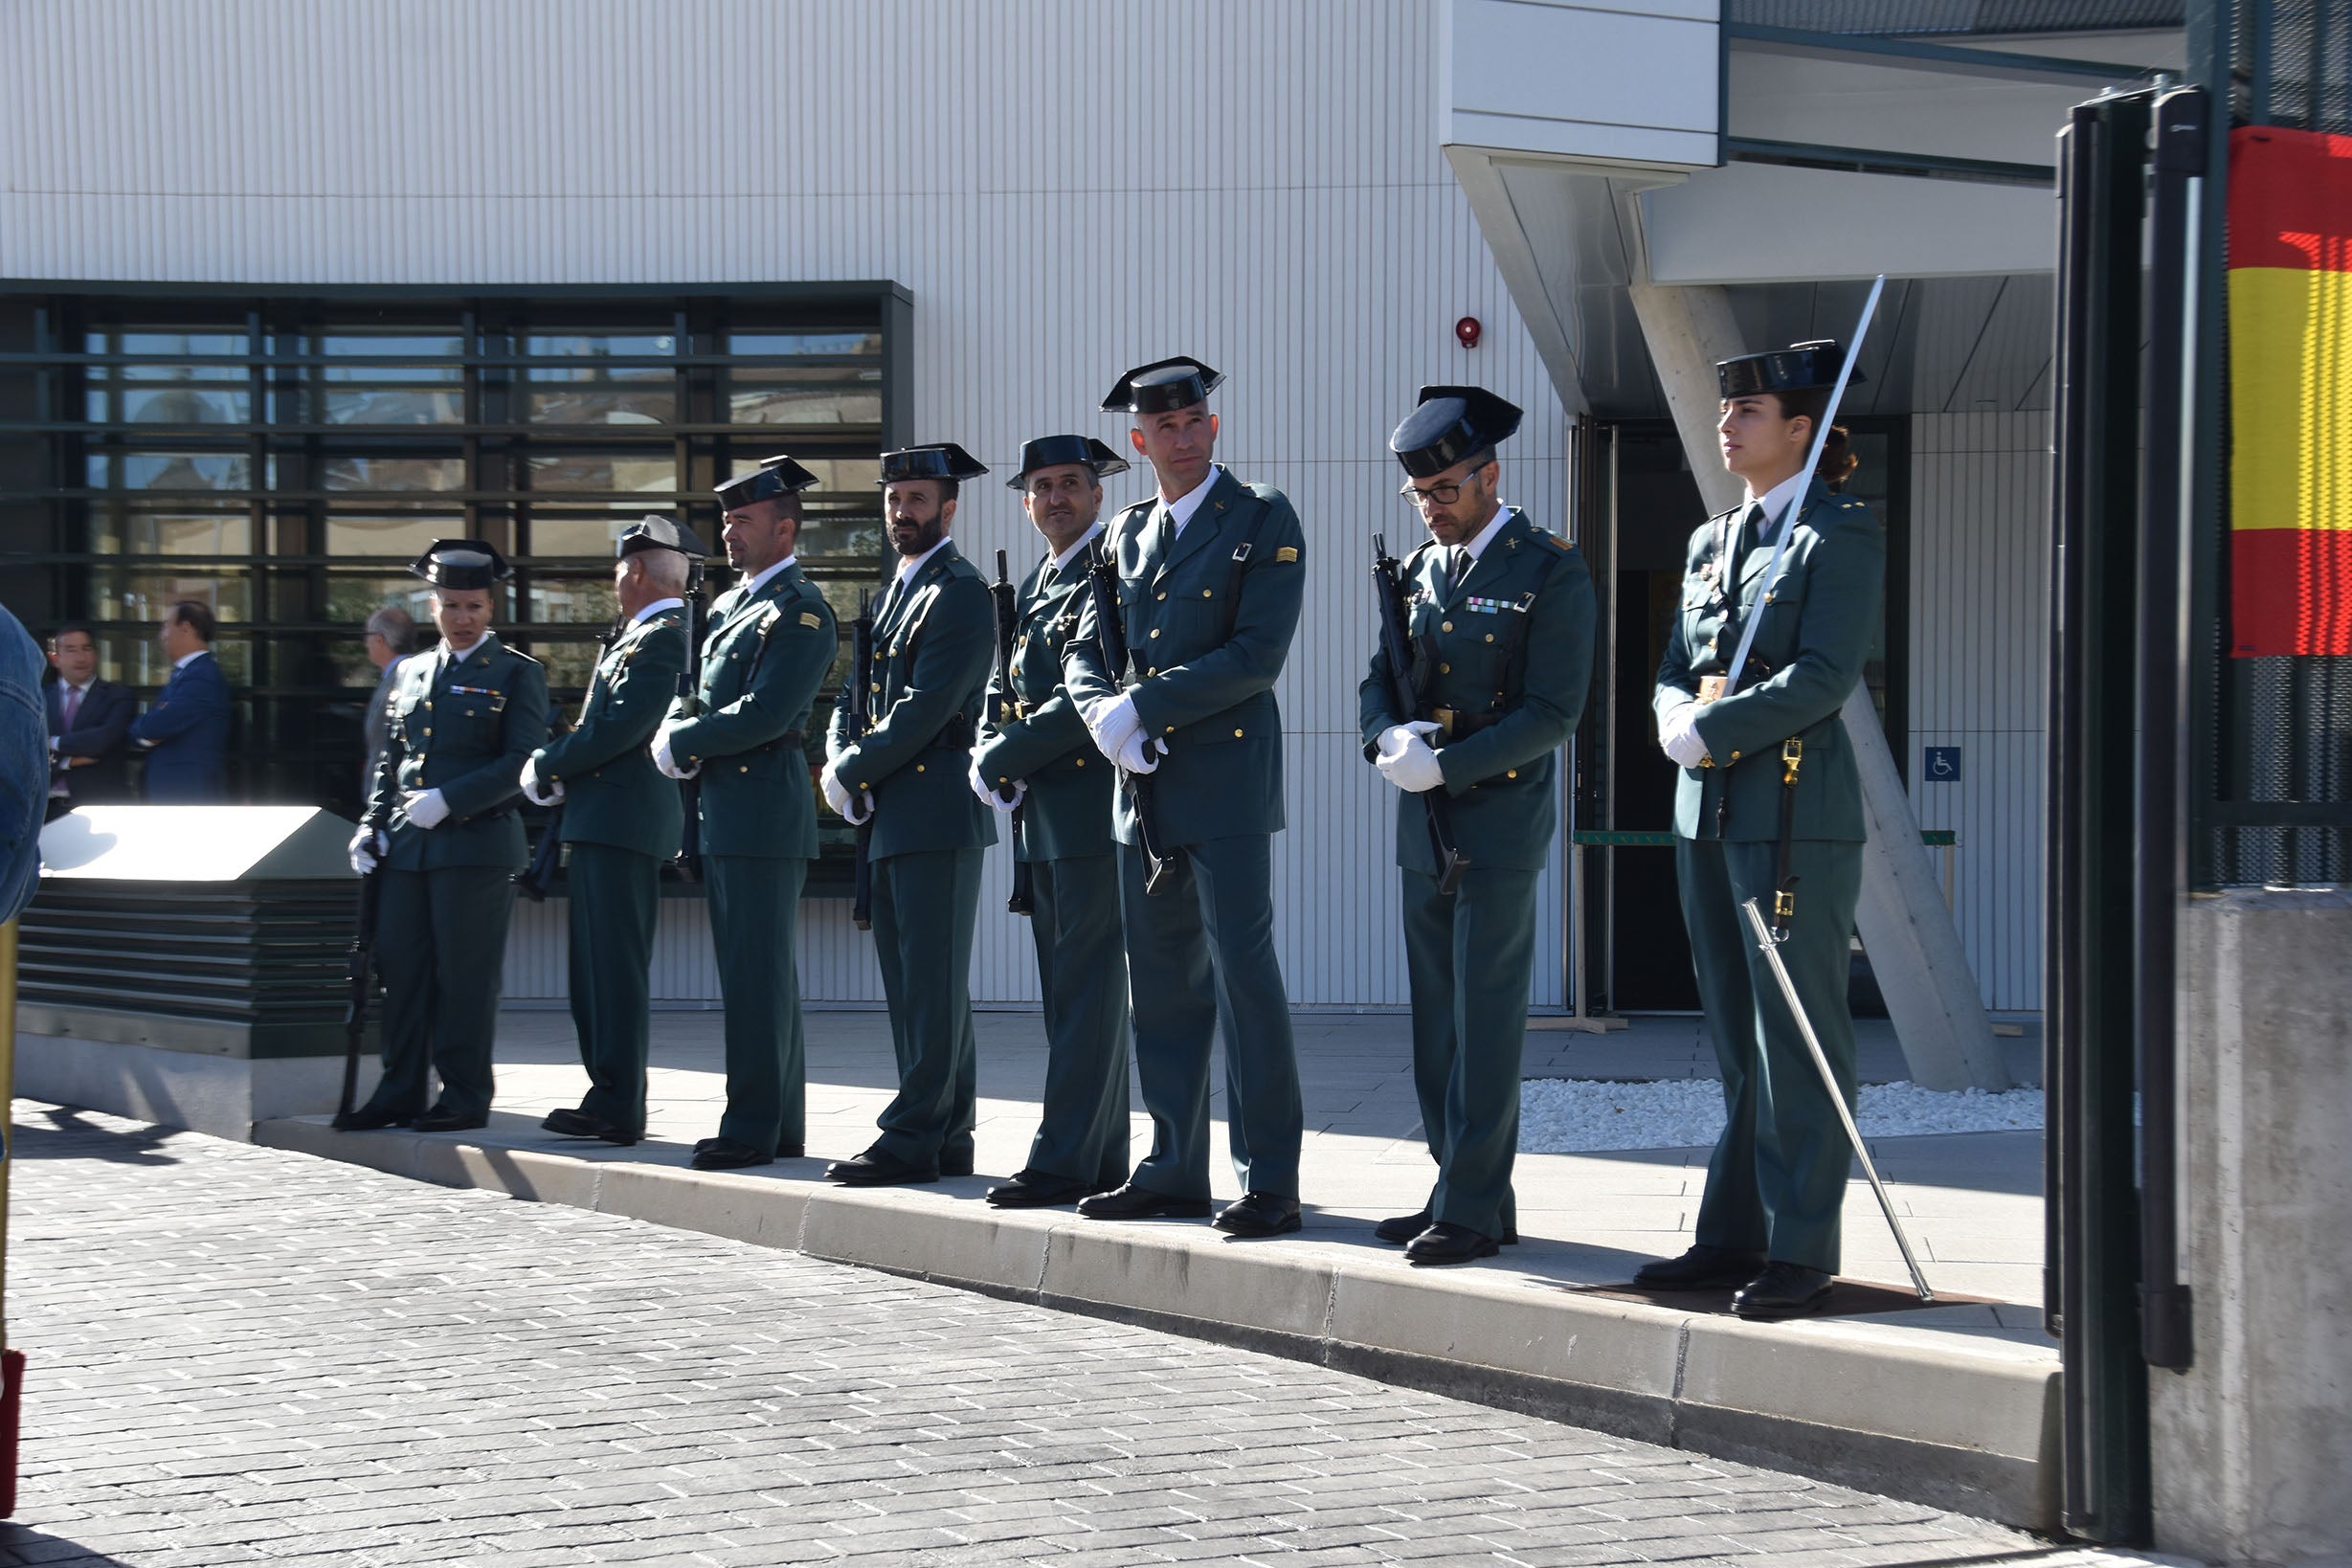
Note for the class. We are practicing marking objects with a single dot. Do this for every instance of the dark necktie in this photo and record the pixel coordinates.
(1167, 534)
(1457, 568)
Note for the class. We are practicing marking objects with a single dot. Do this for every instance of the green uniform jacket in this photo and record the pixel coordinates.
(613, 792)
(1819, 620)
(1043, 740)
(763, 659)
(932, 653)
(1208, 696)
(1504, 781)
(465, 731)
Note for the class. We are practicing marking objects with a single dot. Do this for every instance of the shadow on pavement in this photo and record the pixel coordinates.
(22, 1548)
(69, 1137)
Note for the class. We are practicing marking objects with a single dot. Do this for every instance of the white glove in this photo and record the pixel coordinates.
(549, 793)
(425, 808)
(666, 761)
(836, 794)
(987, 791)
(1678, 736)
(366, 844)
(1410, 765)
(861, 817)
(1394, 737)
(1140, 753)
(1113, 721)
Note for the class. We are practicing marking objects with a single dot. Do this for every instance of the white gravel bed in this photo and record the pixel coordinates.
(1571, 1116)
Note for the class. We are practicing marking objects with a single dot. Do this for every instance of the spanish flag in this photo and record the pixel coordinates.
(2290, 392)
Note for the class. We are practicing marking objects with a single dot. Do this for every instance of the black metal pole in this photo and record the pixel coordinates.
(2162, 677)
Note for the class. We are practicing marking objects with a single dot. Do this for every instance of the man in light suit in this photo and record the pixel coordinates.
(89, 725)
(391, 638)
(186, 729)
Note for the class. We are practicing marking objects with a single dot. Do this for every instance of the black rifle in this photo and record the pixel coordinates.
(359, 969)
(1397, 648)
(689, 859)
(1008, 620)
(860, 710)
(534, 880)
(1111, 637)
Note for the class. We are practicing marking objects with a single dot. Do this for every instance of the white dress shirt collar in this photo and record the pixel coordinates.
(187, 659)
(653, 608)
(1494, 525)
(1182, 508)
(907, 569)
(1062, 561)
(1778, 501)
(454, 655)
(752, 585)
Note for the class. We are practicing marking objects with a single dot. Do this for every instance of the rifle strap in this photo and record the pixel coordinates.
(1513, 642)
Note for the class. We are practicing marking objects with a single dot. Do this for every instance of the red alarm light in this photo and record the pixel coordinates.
(1467, 330)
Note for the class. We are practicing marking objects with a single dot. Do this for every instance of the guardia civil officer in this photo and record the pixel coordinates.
(1770, 805)
(1036, 754)
(1210, 575)
(441, 823)
(770, 642)
(621, 818)
(1501, 625)
(933, 634)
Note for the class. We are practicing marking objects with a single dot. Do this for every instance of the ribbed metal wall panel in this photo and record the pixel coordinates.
(1979, 585)
(1067, 187)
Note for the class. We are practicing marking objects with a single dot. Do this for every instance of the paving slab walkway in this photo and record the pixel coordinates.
(243, 1357)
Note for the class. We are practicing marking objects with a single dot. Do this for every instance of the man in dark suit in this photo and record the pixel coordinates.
(20, 772)
(1211, 573)
(932, 639)
(89, 725)
(186, 729)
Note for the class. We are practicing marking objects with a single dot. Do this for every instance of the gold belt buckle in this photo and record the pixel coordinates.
(1445, 717)
(1792, 752)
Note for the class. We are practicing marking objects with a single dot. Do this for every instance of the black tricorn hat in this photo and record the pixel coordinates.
(654, 531)
(1053, 451)
(1165, 384)
(461, 562)
(1794, 369)
(1451, 423)
(774, 476)
(938, 460)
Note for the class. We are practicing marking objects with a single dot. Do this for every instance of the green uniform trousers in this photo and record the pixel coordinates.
(441, 945)
(615, 894)
(1082, 970)
(926, 904)
(1777, 1182)
(754, 914)
(1471, 958)
(1202, 956)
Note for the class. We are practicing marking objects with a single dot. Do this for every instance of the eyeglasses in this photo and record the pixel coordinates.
(1437, 495)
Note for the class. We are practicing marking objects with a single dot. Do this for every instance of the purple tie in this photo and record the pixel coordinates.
(73, 706)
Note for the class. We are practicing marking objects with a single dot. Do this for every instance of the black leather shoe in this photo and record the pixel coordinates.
(1133, 1202)
(439, 1120)
(369, 1119)
(955, 1164)
(1259, 1213)
(1783, 1289)
(1701, 1268)
(579, 1123)
(877, 1169)
(1450, 1244)
(726, 1155)
(1038, 1190)
(1406, 1226)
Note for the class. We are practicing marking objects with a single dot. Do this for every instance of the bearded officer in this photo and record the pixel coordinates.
(770, 646)
(1211, 573)
(1770, 805)
(440, 824)
(1035, 754)
(621, 820)
(1501, 623)
(934, 636)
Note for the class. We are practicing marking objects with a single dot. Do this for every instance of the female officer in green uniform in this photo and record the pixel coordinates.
(1769, 808)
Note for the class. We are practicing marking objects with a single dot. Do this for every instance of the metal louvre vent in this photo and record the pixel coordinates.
(2292, 65)
(1905, 19)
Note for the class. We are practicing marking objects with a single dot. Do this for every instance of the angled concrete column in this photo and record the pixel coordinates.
(1914, 949)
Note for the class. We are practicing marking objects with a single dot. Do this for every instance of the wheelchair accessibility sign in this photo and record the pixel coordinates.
(1944, 765)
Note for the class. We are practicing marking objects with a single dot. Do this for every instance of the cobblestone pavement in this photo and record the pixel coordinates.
(240, 1356)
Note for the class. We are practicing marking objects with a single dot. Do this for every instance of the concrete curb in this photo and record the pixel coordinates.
(1873, 1406)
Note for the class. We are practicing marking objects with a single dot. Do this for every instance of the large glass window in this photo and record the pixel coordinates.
(282, 457)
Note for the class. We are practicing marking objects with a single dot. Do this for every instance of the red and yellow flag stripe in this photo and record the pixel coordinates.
(2291, 391)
